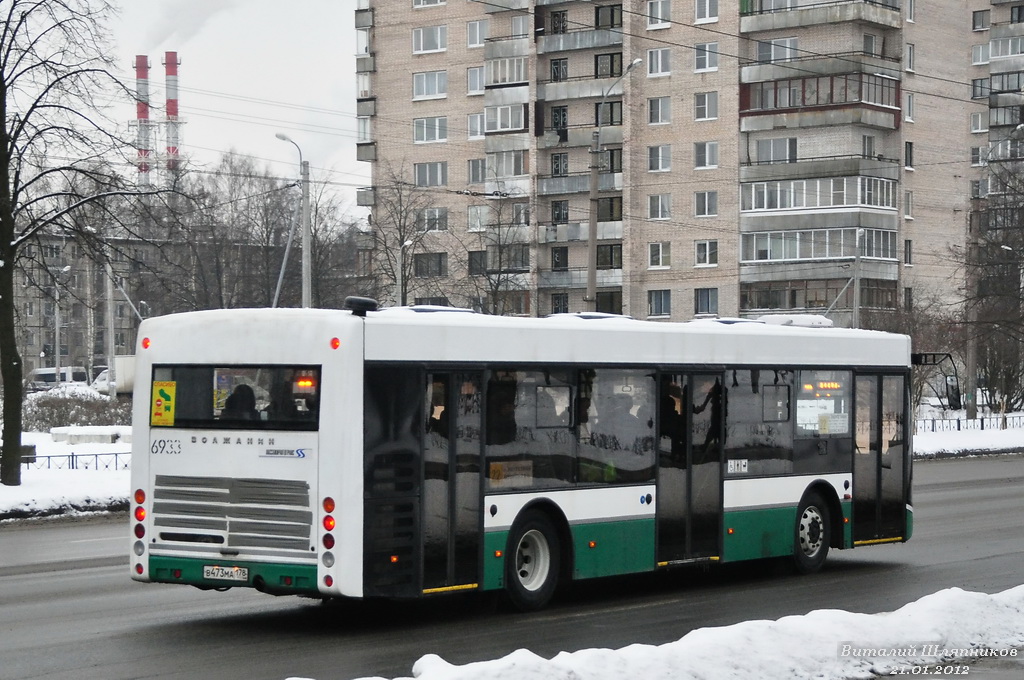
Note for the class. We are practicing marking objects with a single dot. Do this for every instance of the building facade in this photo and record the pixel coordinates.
(752, 157)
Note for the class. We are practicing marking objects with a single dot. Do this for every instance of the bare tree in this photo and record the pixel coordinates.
(53, 78)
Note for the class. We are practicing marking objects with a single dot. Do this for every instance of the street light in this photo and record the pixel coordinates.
(304, 221)
(595, 163)
(399, 293)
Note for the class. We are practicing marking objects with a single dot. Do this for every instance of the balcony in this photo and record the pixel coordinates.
(366, 151)
(578, 183)
(365, 63)
(366, 107)
(493, 6)
(581, 88)
(585, 39)
(554, 138)
(883, 13)
(366, 196)
(364, 18)
(577, 231)
(826, 166)
(577, 278)
(830, 64)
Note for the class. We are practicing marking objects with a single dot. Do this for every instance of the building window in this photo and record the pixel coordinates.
(779, 49)
(706, 253)
(705, 155)
(659, 62)
(980, 88)
(980, 54)
(427, 3)
(430, 85)
(659, 206)
(608, 16)
(659, 302)
(705, 106)
(659, 255)
(870, 44)
(908, 155)
(707, 10)
(430, 264)
(507, 163)
(1017, 14)
(559, 23)
(504, 118)
(430, 129)
(479, 217)
(705, 301)
(908, 107)
(431, 174)
(980, 20)
(908, 60)
(559, 70)
(659, 110)
(432, 219)
(609, 209)
(909, 4)
(429, 39)
(608, 65)
(559, 164)
(510, 257)
(476, 33)
(475, 80)
(559, 212)
(908, 299)
(477, 262)
(364, 129)
(659, 13)
(521, 25)
(705, 57)
(559, 303)
(908, 252)
(659, 158)
(705, 203)
(608, 113)
(979, 188)
(908, 204)
(979, 155)
(609, 256)
(475, 124)
(559, 258)
(477, 170)
(979, 121)
(611, 160)
(506, 71)
(777, 150)
(438, 301)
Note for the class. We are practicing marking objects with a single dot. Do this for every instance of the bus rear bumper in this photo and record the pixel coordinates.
(211, 574)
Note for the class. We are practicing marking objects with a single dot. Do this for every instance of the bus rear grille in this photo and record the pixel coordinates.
(237, 514)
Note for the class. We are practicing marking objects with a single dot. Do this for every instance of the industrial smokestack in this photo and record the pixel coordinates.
(173, 125)
(142, 117)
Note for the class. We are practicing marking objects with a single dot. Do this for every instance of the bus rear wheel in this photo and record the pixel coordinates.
(812, 534)
(532, 561)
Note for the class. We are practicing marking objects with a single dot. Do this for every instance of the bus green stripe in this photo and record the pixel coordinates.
(619, 547)
(274, 576)
(753, 534)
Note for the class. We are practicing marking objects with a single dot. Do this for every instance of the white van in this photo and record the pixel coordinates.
(45, 378)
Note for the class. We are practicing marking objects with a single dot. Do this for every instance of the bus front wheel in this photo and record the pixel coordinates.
(532, 561)
(812, 534)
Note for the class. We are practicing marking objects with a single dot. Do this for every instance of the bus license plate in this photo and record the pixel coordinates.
(225, 573)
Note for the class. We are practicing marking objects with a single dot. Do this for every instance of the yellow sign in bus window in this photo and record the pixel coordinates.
(162, 411)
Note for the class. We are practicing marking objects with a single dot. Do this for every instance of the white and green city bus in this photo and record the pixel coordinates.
(408, 452)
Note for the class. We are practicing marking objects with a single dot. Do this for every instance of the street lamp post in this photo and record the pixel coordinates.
(595, 165)
(307, 235)
(399, 275)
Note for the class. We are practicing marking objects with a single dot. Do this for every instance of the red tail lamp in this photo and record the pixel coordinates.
(329, 504)
(140, 513)
(328, 541)
(140, 496)
(146, 342)
(329, 523)
(140, 531)
(335, 343)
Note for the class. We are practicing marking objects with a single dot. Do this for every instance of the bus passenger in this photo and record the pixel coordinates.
(240, 405)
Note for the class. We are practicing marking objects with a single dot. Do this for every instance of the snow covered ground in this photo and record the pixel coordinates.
(951, 632)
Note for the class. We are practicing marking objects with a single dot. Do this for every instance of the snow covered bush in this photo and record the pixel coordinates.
(73, 405)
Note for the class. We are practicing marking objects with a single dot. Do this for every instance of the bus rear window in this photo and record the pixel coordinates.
(236, 397)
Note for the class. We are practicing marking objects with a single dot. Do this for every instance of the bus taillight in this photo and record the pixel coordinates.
(146, 342)
(329, 523)
(140, 496)
(328, 541)
(140, 531)
(329, 504)
(140, 513)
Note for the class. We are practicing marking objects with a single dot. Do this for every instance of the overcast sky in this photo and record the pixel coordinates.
(249, 69)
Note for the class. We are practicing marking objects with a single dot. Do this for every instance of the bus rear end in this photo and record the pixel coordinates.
(228, 450)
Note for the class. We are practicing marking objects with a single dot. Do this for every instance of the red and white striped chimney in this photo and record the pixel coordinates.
(173, 126)
(142, 117)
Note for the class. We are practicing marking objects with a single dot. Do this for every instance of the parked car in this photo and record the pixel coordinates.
(42, 379)
(101, 384)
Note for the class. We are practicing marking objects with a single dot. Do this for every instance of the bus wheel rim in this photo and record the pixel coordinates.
(811, 531)
(533, 560)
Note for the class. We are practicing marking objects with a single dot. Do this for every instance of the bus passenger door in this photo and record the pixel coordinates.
(691, 427)
(879, 489)
(451, 480)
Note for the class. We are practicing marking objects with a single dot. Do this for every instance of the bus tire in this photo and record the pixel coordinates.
(533, 561)
(813, 537)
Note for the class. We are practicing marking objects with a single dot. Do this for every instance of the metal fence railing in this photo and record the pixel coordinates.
(79, 461)
(997, 422)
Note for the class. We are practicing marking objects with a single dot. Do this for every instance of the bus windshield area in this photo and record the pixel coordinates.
(269, 397)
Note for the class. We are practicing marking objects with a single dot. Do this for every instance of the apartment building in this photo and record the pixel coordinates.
(753, 157)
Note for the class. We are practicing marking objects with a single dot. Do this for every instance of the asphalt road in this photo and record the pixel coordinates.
(69, 611)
